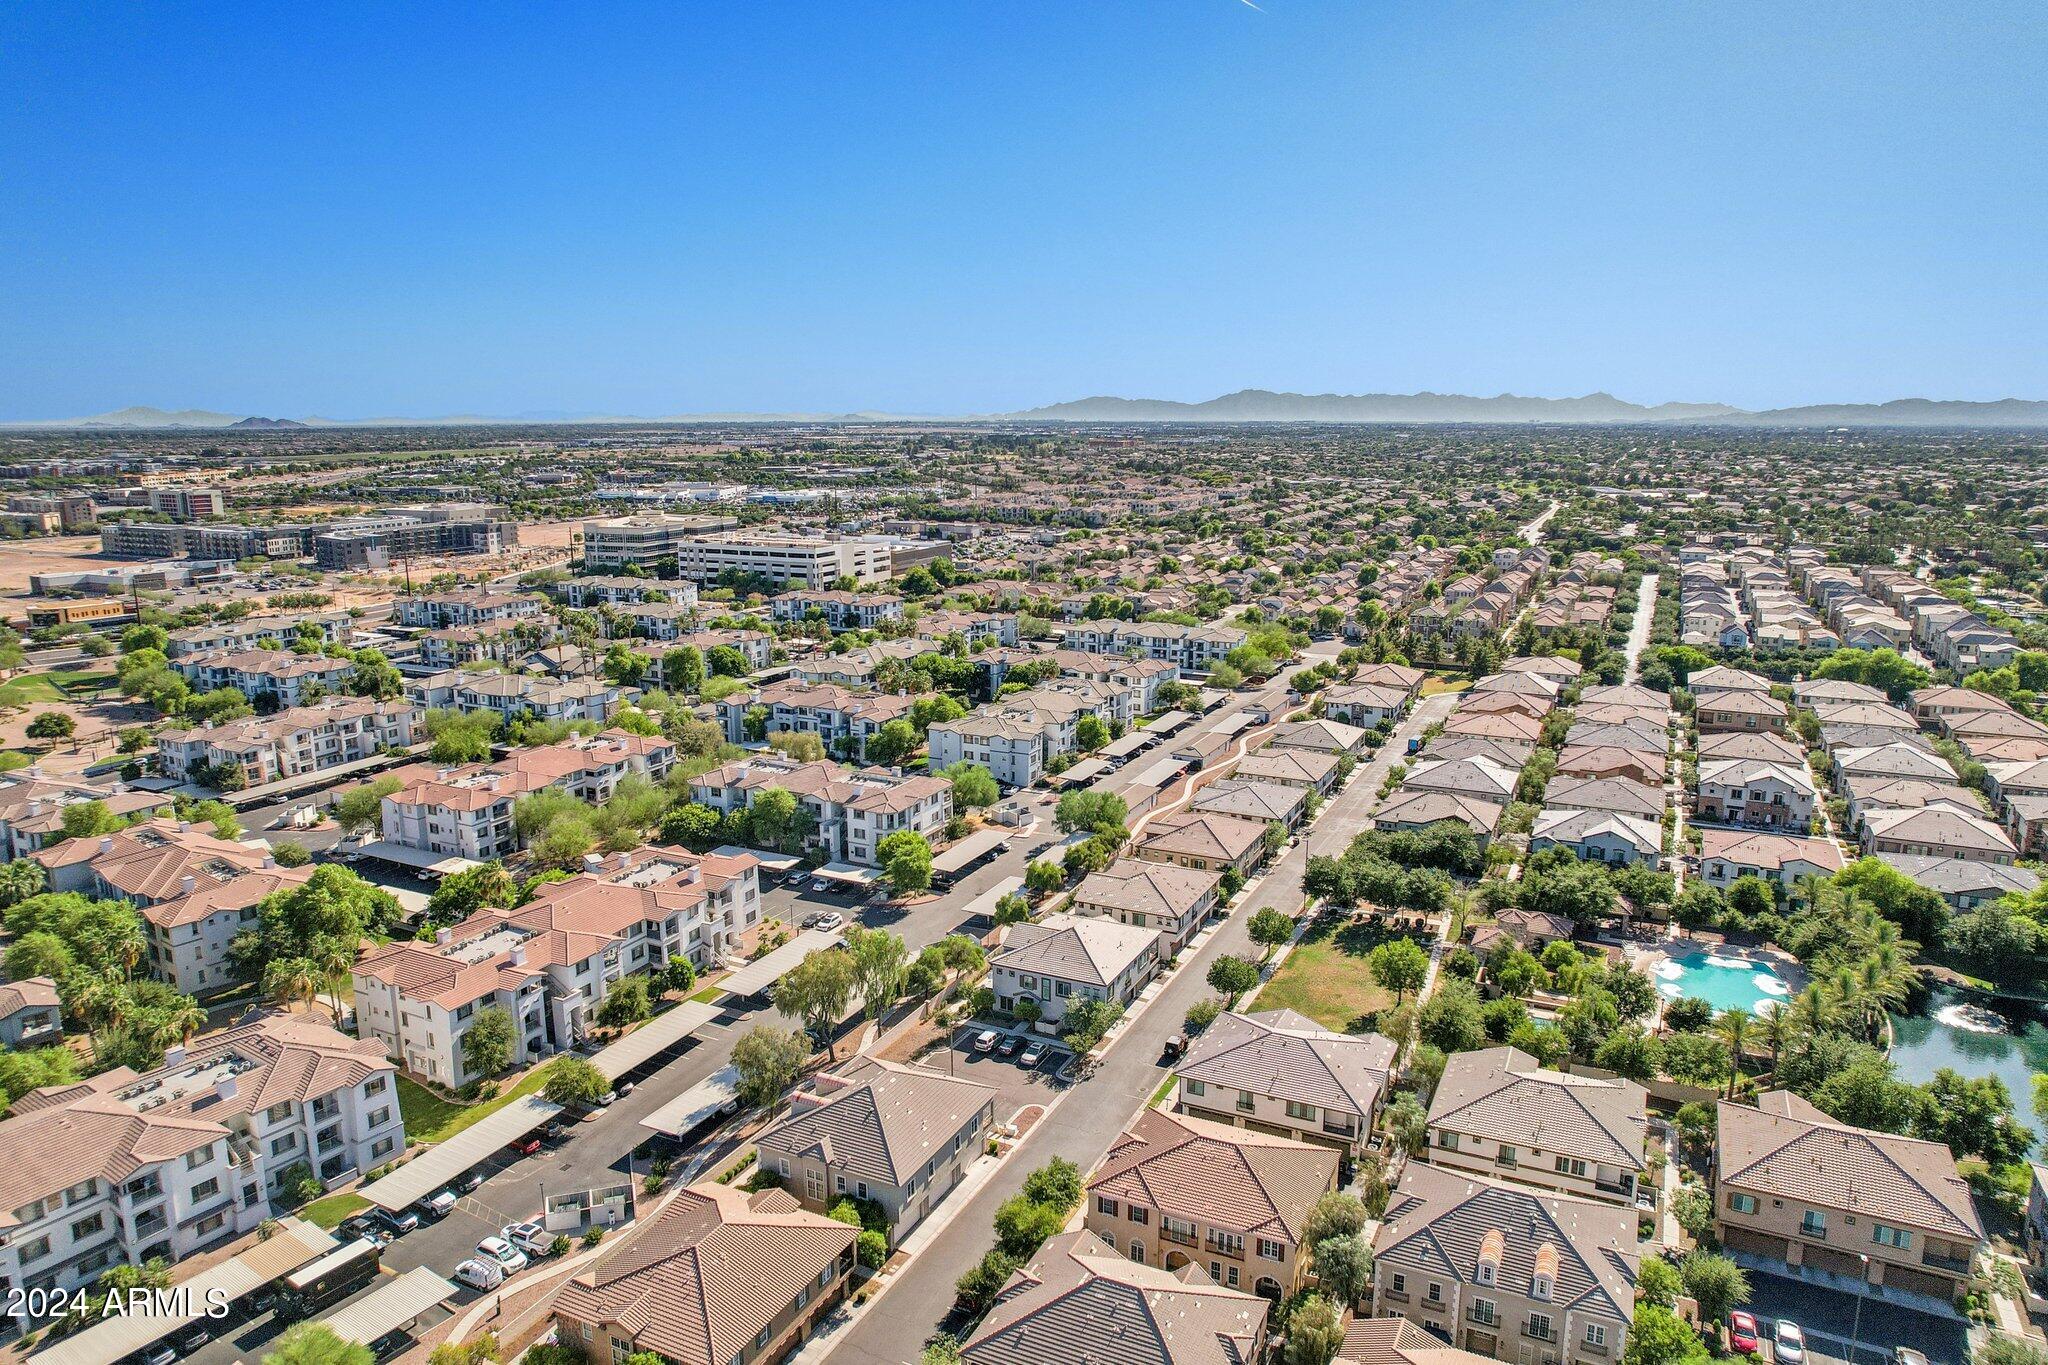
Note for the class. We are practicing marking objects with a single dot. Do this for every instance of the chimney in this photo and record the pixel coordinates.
(184, 827)
(693, 873)
(35, 805)
(270, 860)
(518, 955)
(188, 883)
(443, 937)
(174, 1055)
(106, 843)
(224, 1088)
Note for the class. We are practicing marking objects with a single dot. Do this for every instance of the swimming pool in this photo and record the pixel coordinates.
(1723, 981)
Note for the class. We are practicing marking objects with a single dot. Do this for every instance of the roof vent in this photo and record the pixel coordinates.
(188, 883)
(174, 1056)
(224, 1088)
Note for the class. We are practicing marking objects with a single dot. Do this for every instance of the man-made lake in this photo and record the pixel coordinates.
(1922, 1044)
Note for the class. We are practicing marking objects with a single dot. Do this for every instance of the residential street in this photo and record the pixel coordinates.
(893, 1331)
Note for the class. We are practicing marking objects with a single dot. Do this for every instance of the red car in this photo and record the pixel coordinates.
(526, 1146)
(1742, 1334)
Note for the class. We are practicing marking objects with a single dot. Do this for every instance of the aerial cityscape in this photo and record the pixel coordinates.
(689, 686)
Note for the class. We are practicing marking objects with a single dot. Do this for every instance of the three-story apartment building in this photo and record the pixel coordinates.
(1499, 1113)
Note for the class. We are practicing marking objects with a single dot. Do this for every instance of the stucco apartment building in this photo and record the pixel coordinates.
(292, 743)
(838, 609)
(901, 1136)
(125, 1166)
(1797, 1193)
(466, 812)
(1015, 738)
(844, 721)
(1507, 1271)
(721, 1276)
(1279, 1072)
(515, 694)
(1176, 1191)
(1172, 901)
(550, 963)
(31, 1013)
(256, 673)
(32, 806)
(702, 555)
(1067, 957)
(1500, 1114)
(853, 810)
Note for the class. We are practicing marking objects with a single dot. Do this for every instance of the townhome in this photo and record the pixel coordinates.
(511, 695)
(1964, 882)
(1307, 769)
(1177, 1191)
(1397, 1341)
(1210, 841)
(1798, 1194)
(1066, 957)
(287, 678)
(1506, 1271)
(1320, 736)
(852, 811)
(1172, 901)
(1613, 794)
(126, 1167)
(1599, 836)
(1417, 810)
(1365, 704)
(1267, 802)
(1515, 725)
(1898, 759)
(1755, 792)
(32, 807)
(1869, 795)
(1279, 1072)
(550, 963)
(1530, 930)
(1055, 1308)
(1479, 778)
(466, 812)
(899, 1136)
(720, 1276)
(31, 1013)
(1498, 1113)
(1940, 831)
(295, 742)
(1727, 855)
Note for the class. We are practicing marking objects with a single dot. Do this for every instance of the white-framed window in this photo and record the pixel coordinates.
(1887, 1236)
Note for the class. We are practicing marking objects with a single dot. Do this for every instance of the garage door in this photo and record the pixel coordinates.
(1755, 1243)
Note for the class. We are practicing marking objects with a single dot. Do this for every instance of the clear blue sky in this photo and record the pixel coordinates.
(979, 205)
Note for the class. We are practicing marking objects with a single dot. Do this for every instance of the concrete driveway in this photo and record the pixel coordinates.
(1830, 1317)
(1016, 1085)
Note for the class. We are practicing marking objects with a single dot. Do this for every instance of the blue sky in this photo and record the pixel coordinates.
(980, 205)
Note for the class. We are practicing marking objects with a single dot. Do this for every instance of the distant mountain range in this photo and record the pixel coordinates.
(1246, 405)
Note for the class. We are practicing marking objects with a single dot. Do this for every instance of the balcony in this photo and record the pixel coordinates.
(1233, 1248)
(1186, 1239)
(1942, 1261)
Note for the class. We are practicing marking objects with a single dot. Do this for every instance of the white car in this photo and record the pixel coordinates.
(480, 1274)
(531, 1238)
(831, 919)
(986, 1041)
(1788, 1343)
(504, 1253)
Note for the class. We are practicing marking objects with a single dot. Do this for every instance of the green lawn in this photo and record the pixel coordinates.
(329, 1212)
(708, 994)
(430, 1118)
(56, 684)
(1326, 978)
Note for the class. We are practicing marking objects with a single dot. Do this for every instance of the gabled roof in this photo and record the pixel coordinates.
(1146, 887)
(1786, 1147)
(1285, 1056)
(1081, 948)
(878, 1120)
(712, 1270)
(1081, 1302)
(1253, 1183)
(1503, 1093)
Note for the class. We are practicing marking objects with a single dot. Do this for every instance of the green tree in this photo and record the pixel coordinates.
(768, 1060)
(1270, 928)
(1091, 810)
(1399, 965)
(772, 814)
(625, 1003)
(41, 953)
(1090, 734)
(1022, 1225)
(973, 786)
(890, 745)
(1334, 1214)
(461, 894)
(1452, 1018)
(1315, 1329)
(978, 1287)
(1659, 1337)
(817, 991)
(20, 879)
(314, 1343)
(573, 1081)
(906, 861)
(137, 638)
(488, 1041)
(362, 807)
(1232, 976)
(1057, 1183)
(682, 670)
(1715, 1282)
(52, 725)
(1658, 1282)
(1043, 878)
(1343, 1267)
(375, 676)
(459, 736)
(879, 961)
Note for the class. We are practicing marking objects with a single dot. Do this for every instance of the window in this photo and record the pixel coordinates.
(1539, 1287)
(1891, 1237)
(87, 1227)
(1483, 1312)
(1538, 1326)
(1301, 1111)
(206, 1189)
(1137, 1251)
(211, 1224)
(1484, 1272)
(1270, 1250)
(1814, 1223)
(1105, 1206)
(1596, 1336)
(1136, 1214)
(194, 1160)
(36, 1250)
(1397, 1284)
(1571, 1166)
(839, 1184)
(375, 1087)
(1742, 1203)
(278, 1113)
(1230, 1276)
(1436, 1292)
(782, 1165)
(1507, 1155)
(1245, 1100)
(1195, 1087)
(1448, 1141)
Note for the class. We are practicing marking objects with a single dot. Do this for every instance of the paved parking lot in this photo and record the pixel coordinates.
(1830, 1316)
(1016, 1085)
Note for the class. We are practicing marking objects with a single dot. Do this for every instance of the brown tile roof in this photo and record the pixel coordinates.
(1397, 1341)
(1787, 1148)
(1503, 1093)
(1253, 1183)
(1153, 888)
(878, 1120)
(1282, 1055)
(705, 1276)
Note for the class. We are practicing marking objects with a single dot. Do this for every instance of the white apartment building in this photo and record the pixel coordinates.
(437, 610)
(1016, 738)
(467, 811)
(32, 807)
(550, 963)
(256, 672)
(1194, 649)
(124, 1167)
(615, 590)
(291, 743)
(330, 627)
(515, 694)
(853, 811)
(842, 610)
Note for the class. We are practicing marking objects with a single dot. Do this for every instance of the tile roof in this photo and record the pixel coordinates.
(1249, 1182)
(1082, 948)
(878, 1120)
(1503, 1093)
(1151, 888)
(1285, 1056)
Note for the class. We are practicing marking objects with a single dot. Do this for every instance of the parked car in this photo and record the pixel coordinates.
(480, 1274)
(795, 878)
(469, 1182)
(437, 1205)
(163, 1353)
(531, 1238)
(985, 1041)
(397, 1222)
(526, 1146)
(1788, 1343)
(1011, 1044)
(504, 1253)
(363, 1225)
(1742, 1337)
(1033, 1055)
(192, 1338)
(831, 919)
(1175, 1046)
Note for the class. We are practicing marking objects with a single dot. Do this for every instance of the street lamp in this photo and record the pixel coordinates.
(1856, 1325)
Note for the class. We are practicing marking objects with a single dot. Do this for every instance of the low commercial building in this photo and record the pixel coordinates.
(123, 1168)
(722, 1276)
(899, 1136)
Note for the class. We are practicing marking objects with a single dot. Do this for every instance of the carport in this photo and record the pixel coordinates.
(114, 1338)
(848, 875)
(657, 1035)
(390, 1307)
(700, 1102)
(1082, 773)
(779, 864)
(418, 859)
(760, 975)
(967, 852)
(984, 905)
(441, 1163)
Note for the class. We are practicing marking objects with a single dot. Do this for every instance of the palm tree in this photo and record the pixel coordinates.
(185, 1021)
(1776, 1023)
(290, 979)
(1812, 1010)
(335, 961)
(1733, 1025)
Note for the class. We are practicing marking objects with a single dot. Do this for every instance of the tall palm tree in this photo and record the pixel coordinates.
(1775, 1023)
(290, 979)
(185, 1022)
(335, 961)
(1812, 1010)
(1734, 1025)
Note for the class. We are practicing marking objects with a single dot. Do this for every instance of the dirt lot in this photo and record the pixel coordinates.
(49, 554)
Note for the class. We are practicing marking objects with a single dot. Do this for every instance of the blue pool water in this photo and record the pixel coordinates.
(1725, 982)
